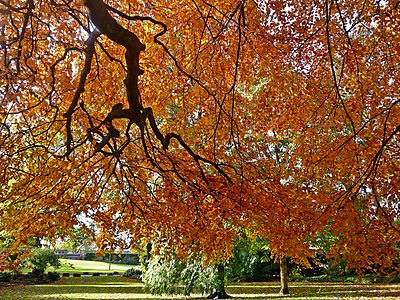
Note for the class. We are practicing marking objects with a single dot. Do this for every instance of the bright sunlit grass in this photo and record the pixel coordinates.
(79, 266)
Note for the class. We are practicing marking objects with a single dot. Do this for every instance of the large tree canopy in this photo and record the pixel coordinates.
(181, 121)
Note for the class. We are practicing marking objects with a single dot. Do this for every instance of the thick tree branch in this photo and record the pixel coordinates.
(107, 25)
(136, 113)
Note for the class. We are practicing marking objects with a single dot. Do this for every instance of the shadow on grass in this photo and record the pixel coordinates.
(123, 288)
(316, 291)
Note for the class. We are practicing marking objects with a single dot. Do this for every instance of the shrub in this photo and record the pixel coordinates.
(42, 258)
(6, 276)
(133, 273)
(53, 276)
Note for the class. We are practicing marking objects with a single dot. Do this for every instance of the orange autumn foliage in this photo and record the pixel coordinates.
(182, 121)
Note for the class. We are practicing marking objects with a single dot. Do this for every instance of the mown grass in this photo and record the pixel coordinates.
(80, 266)
(123, 288)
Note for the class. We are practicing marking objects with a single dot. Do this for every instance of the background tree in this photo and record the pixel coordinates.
(251, 261)
(79, 239)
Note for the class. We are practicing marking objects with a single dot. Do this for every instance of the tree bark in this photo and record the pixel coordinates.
(144, 259)
(283, 265)
(219, 292)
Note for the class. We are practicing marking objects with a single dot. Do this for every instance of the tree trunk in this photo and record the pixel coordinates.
(144, 259)
(283, 265)
(219, 292)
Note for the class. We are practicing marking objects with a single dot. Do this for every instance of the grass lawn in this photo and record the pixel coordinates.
(80, 266)
(123, 288)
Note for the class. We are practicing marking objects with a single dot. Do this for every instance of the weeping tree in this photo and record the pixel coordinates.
(167, 275)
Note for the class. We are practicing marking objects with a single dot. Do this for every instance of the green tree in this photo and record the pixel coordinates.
(251, 261)
(79, 239)
(40, 259)
(181, 276)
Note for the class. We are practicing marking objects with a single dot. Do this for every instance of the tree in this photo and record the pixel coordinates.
(251, 261)
(169, 275)
(40, 259)
(185, 120)
(79, 239)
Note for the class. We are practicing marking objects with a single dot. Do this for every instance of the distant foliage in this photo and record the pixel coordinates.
(251, 261)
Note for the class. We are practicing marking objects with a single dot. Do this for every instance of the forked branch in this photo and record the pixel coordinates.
(136, 113)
